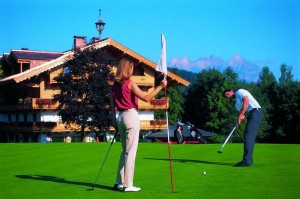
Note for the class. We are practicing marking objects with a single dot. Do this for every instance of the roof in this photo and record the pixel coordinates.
(146, 61)
(17, 78)
(36, 55)
(4, 57)
(109, 42)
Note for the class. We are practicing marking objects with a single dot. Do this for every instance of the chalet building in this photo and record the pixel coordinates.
(27, 111)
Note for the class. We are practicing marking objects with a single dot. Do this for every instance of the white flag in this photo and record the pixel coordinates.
(162, 62)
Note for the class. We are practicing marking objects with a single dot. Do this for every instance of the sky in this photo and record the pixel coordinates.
(262, 32)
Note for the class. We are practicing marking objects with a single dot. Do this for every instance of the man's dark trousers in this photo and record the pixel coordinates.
(253, 122)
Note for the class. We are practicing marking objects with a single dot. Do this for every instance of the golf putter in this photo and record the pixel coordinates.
(113, 111)
(220, 151)
(93, 185)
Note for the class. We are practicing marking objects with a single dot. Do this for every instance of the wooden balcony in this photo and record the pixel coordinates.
(33, 127)
(156, 104)
(54, 127)
(50, 104)
(143, 80)
(32, 103)
(41, 103)
(57, 127)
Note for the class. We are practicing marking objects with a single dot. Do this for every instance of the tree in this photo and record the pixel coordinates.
(231, 78)
(287, 108)
(85, 89)
(266, 96)
(188, 75)
(286, 74)
(205, 105)
(176, 97)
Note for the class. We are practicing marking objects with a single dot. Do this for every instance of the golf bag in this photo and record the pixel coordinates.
(196, 135)
(178, 133)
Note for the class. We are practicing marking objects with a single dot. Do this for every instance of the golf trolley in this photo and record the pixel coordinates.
(178, 132)
(195, 134)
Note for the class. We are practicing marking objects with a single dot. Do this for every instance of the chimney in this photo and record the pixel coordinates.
(79, 41)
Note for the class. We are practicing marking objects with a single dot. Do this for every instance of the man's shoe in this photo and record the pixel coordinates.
(117, 186)
(132, 189)
(242, 164)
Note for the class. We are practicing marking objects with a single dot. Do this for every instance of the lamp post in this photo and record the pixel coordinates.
(100, 25)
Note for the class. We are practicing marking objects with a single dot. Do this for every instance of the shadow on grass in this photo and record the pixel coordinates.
(64, 181)
(192, 161)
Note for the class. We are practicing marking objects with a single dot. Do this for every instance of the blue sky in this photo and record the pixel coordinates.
(264, 32)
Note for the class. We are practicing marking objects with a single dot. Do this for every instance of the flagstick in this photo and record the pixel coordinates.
(162, 67)
(169, 149)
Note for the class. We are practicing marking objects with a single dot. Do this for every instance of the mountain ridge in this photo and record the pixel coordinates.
(245, 69)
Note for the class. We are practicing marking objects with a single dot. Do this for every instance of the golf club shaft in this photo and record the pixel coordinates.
(228, 137)
(105, 158)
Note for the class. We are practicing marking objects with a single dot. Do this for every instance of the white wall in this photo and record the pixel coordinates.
(49, 116)
(144, 115)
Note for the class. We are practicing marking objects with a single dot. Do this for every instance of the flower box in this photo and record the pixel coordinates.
(159, 101)
(158, 122)
(41, 101)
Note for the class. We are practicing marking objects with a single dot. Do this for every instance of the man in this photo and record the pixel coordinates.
(245, 103)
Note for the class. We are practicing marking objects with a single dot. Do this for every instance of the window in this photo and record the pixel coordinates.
(34, 117)
(25, 117)
(25, 66)
(17, 117)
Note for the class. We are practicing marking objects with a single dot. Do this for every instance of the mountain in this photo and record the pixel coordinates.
(246, 70)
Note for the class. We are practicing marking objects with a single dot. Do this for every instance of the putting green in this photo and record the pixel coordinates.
(61, 170)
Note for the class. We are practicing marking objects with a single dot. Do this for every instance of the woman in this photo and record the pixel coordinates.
(126, 94)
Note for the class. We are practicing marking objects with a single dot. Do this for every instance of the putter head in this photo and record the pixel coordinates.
(220, 151)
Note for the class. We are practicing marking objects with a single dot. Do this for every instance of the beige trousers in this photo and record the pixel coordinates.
(129, 128)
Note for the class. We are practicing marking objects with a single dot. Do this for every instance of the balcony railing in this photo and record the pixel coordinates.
(60, 127)
(32, 103)
(50, 104)
(33, 126)
(153, 124)
(41, 103)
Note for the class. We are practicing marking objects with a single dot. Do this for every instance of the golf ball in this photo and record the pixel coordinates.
(204, 172)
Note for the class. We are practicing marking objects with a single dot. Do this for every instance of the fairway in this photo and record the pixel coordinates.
(61, 170)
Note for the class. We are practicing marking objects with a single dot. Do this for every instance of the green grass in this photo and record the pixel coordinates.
(60, 170)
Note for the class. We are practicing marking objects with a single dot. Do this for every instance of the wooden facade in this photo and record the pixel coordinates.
(27, 109)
